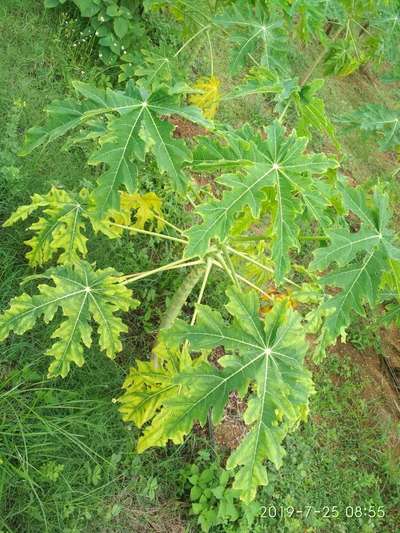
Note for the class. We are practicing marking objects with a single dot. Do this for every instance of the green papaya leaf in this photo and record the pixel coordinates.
(136, 124)
(362, 256)
(251, 28)
(281, 167)
(377, 119)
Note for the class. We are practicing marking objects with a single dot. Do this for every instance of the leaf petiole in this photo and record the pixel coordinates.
(146, 232)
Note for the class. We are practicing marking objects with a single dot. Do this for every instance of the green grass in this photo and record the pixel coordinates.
(66, 459)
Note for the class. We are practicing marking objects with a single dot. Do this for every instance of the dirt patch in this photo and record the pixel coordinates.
(377, 385)
(161, 517)
(184, 129)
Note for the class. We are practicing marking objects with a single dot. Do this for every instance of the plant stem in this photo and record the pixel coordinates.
(203, 288)
(282, 116)
(152, 233)
(244, 280)
(191, 201)
(249, 238)
(223, 264)
(182, 263)
(313, 238)
(211, 55)
(260, 265)
(167, 223)
(177, 302)
(204, 28)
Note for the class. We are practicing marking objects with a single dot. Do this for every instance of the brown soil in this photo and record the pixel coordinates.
(185, 129)
(378, 386)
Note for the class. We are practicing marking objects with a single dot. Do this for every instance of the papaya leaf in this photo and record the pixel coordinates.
(342, 59)
(283, 168)
(362, 256)
(310, 17)
(310, 109)
(390, 294)
(377, 119)
(250, 28)
(136, 125)
(267, 356)
(84, 296)
(147, 209)
(148, 387)
(135, 132)
(235, 150)
(387, 22)
(312, 114)
(359, 284)
(60, 228)
(63, 116)
(261, 80)
(209, 96)
(159, 68)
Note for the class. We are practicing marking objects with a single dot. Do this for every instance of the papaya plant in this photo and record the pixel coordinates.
(302, 252)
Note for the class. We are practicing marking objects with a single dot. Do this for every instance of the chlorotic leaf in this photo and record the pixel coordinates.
(84, 296)
(59, 229)
(209, 96)
(267, 356)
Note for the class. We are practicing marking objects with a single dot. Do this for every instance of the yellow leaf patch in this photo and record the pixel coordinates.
(209, 98)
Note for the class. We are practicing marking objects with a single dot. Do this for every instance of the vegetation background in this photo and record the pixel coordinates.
(66, 459)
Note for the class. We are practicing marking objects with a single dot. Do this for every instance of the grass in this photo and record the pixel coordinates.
(66, 459)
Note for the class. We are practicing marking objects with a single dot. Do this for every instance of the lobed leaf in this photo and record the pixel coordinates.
(266, 356)
(84, 296)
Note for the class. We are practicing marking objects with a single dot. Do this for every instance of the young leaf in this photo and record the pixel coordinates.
(209, 96)
(84, 295)
(147, 207)
(268, 356)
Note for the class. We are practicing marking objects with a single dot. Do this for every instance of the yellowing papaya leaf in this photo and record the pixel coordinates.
(210, 96)
(60, 227)
(86, 297)
(263, 356)
(147, 207)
